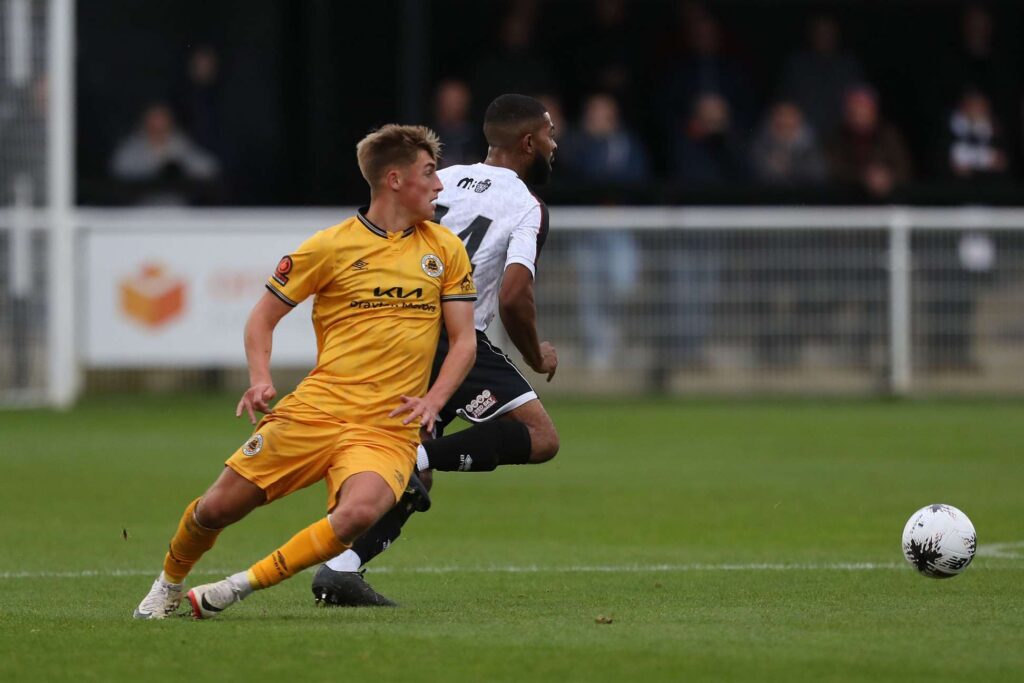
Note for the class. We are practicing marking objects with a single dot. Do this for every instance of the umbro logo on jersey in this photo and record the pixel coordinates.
(360, 265)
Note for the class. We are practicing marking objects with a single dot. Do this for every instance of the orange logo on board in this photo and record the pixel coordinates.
(152, 297)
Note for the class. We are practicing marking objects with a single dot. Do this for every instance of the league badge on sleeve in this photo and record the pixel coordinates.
(284, 266)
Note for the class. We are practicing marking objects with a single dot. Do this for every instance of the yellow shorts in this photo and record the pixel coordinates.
(298, 445)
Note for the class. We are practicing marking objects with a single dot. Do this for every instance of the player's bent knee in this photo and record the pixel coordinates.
(543, 435)
(231, 498)
(350, 521)
(216, 511)
(544, 445)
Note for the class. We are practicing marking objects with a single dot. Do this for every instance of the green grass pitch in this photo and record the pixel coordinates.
(743, 541)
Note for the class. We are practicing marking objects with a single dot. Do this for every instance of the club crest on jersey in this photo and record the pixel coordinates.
(253, 445)
(479, 405)
(481, 186)
(432, 265)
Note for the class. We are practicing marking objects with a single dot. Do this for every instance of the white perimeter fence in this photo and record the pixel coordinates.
(680, 300)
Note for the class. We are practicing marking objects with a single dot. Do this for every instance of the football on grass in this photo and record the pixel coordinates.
(939, 540)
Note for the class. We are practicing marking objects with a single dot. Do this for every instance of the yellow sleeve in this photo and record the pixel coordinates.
(303, 272)
(458, 282)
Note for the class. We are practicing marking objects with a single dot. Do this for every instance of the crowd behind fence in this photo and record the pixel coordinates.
(655, 101)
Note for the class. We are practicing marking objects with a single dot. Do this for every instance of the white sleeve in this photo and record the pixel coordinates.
(522, 243)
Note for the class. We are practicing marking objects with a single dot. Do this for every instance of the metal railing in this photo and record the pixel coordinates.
(686, 300)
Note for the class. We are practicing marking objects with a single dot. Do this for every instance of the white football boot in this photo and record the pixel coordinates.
(211, 599)
(161, 601)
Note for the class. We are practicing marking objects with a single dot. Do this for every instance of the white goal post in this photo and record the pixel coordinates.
(63, 374)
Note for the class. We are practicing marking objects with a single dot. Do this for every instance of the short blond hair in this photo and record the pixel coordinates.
(394, 145)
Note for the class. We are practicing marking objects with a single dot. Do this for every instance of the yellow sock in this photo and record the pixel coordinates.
(190, 541)
(316, 543)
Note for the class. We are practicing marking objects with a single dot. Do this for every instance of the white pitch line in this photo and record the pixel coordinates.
(995, 550)
(639, 568)
(497, 569)
(1007, 551)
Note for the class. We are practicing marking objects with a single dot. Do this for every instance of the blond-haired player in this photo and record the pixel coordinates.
(492, 207)
(382, 283)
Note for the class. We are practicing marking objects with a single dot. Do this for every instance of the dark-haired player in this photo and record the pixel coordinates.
(503, 225)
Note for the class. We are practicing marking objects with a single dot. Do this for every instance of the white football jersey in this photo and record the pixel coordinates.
(498, 219)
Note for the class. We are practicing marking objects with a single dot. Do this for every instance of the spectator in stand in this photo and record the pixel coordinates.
(604, 52)
(518, 65)
(972, 60)
(977, 50)
(959, 267)
(980, 66)
(708, 151)
(786, 152)
(168, 167)
(871, 155)
(705, 70)
(817, 77)
(975, 145)
(867, 151)
(604, 149)
(198, 100)
(460, 137)
(606, 152)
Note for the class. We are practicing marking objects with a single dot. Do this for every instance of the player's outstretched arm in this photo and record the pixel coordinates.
(259, 335)
(458, 321)
(519, 316)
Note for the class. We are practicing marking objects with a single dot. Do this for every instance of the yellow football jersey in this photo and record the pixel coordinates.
(376, 313)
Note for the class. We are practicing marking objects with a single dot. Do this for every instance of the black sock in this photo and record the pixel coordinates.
(377, 538)
(481, 448)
